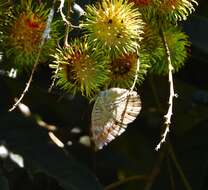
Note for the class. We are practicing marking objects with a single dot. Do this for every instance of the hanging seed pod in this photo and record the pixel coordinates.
(80, 69)
(122, 70)
(113, 110)
(113, 25)
(178, 44)
(25, 28)
(175, 10)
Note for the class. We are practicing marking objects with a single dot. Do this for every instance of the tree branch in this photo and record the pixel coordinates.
(171, 96)
(178, 167)
(131, 178)
(27, 84)
(43, 39)
(155, 171)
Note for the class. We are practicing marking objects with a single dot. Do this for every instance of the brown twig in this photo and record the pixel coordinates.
(54, 79)
(68, 26)
(60, 9)
(172, 182)
(131, 178)
(44, 37)
(171, 96)
(155, 172)
(27, 84)
(136, 75)
(178, 167)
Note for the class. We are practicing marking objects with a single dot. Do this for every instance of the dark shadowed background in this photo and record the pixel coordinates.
(181, 164)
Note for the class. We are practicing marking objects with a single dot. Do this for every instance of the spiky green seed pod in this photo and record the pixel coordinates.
(80, 69)
(162, 13)
(123, 70)
(113, 25)
(153, 50)
(4, 9)
(175, 10)
(23, 28)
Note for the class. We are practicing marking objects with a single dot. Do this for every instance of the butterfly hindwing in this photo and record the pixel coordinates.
(113, 110)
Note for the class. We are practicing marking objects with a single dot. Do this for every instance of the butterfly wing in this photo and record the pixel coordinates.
(111, 113)
(127, 110)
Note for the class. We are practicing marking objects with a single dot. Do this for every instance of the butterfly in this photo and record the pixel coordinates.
(113, 110)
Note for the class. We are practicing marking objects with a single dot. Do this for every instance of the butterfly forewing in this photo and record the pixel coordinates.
(113, 110)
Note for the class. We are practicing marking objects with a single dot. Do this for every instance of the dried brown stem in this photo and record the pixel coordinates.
(178, 167)
(44, 37)
(27, 84)
(60, 9)
(125, 180)
(136, 75)
(171, 96)
(54, 79)
(68, 26)
(155, 172)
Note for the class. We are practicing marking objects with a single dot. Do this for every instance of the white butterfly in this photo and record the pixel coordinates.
(113, 110)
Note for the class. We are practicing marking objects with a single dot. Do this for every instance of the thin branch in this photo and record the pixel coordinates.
(130, 91)
(46, 33)
(58, 66)
(172, 182)
(43, 39)
(66, 36)
(54, 79)
(178, 167)
(68, 25)
(155, 172)
(126, 180)
(136, 75)
(27, 84)
(60, 9)
(171, 96)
